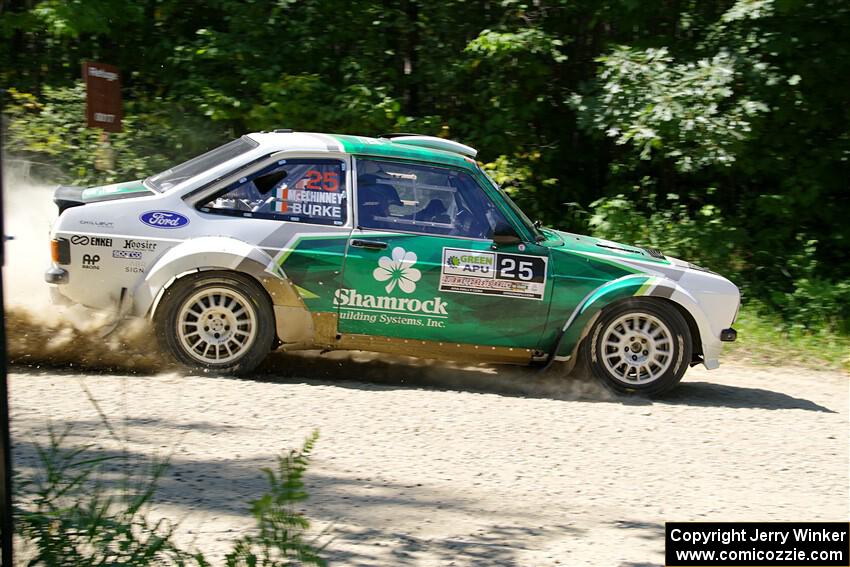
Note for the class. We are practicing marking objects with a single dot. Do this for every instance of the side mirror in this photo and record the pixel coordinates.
(505, 234)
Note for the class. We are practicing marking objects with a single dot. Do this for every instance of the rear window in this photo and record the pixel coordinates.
(186, 170)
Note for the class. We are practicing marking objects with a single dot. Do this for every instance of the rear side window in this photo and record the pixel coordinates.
(297, 190)
(423, 199)
(186, 170)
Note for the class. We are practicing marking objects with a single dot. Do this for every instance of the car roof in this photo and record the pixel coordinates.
(393, 148)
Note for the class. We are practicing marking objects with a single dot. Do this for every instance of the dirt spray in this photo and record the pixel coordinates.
(40, 333)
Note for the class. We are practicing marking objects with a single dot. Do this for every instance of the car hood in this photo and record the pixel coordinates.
(569, 242)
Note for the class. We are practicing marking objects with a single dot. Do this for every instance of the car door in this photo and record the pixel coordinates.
(295, 209)
(421, 262)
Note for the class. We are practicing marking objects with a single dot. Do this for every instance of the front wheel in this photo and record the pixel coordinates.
(218, 321)
(639, 346)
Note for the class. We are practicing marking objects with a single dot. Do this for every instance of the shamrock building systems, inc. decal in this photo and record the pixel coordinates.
(394, 273)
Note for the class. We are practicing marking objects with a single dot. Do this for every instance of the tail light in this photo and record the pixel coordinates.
(60, 251)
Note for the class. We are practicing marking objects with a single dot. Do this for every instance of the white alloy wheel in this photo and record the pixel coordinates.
(216, 325)
(637, 348)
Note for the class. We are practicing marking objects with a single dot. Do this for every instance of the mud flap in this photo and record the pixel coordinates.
(124, 303)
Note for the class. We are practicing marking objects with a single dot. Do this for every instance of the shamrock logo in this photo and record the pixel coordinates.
(398, 270)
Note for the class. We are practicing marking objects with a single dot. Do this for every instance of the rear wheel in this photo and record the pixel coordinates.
(639, 346)
(217, 321)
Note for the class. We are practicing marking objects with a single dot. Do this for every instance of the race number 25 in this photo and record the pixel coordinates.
(318, 182)
(520, 267)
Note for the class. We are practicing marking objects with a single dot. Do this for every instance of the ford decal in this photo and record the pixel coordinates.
(164, 219)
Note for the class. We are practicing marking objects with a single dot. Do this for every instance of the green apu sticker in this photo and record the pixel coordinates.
(493, 273)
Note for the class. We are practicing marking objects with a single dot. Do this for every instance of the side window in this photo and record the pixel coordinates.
(424, 199)
(297, 190)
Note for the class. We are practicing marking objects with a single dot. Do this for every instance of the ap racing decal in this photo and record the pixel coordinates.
(493, 273)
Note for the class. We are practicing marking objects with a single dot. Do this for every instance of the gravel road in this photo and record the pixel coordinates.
(435, 465)
(428, 464)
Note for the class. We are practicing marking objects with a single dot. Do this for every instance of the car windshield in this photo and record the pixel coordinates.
(514, 207)
(186, 170)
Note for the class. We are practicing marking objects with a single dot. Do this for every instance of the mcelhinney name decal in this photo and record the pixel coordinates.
(493, 273)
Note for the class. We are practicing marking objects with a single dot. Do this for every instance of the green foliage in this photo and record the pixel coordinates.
(70, 519)
(765, 338)
(516, 175)
(687, 112)
(504, 46)
(668, 225)
(802, 296)
(695, 112)
(67, 516)
(280, 526)
(49, 128)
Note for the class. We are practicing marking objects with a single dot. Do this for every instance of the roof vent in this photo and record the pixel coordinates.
(619, 248)
(433, 143)
(655, 253)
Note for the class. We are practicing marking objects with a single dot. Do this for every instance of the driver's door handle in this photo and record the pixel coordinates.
(371, 244)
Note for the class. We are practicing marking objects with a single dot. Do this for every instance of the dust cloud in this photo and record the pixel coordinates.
(38, 332)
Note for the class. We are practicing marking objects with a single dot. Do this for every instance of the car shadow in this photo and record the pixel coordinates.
(370, 371)
(367, 371)
(707, 394)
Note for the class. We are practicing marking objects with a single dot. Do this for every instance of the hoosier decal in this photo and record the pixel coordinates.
(493, 273)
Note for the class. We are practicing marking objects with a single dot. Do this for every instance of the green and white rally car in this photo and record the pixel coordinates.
(398, 244)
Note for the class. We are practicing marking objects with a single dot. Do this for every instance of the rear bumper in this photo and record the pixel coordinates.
(56, 275)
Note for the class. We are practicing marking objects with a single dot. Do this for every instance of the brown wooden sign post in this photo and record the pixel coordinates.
(103, 108)
(103, 96)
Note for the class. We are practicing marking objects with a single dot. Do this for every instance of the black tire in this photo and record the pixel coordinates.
(231, 290)
(630, 335)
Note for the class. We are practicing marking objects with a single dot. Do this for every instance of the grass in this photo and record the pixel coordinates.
(68, 516)
(766, 340)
